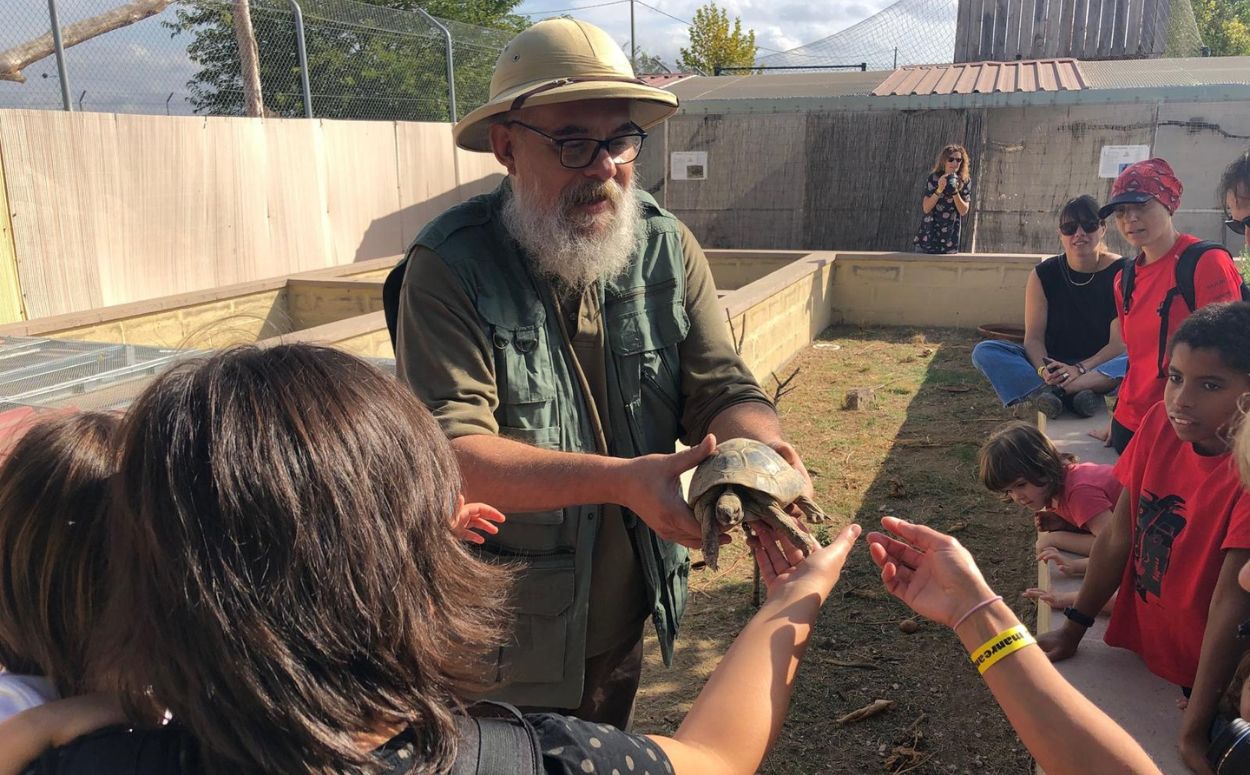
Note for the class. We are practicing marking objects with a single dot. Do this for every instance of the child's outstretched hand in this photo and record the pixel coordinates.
(471, 517)
(1068, 566)
(1056, 600)
(929, 571)
(1048, 521)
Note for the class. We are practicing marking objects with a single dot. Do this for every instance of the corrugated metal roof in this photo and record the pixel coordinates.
(1155, 73)
(663, 80)
(818, 85)
(1029, 75)
(1109, 82)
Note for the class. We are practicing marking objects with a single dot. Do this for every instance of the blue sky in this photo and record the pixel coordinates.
(778, 24)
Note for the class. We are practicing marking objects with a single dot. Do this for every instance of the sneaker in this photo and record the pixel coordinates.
(1086, 403)
(1048, 404)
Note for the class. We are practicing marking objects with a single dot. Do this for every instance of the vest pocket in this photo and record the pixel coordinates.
(543, 600)
(644, 331)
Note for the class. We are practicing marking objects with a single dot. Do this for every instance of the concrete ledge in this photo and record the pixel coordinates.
(1114, 679)
(910, 289)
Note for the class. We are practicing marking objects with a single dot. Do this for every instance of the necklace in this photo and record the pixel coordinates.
(1063, 264)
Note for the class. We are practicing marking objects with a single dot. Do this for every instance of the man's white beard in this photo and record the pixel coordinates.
(559, 242)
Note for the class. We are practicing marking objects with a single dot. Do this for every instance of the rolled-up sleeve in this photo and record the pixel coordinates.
(713, 375)
(441, 352)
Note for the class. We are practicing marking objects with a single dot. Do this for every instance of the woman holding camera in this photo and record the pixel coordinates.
(947, 193)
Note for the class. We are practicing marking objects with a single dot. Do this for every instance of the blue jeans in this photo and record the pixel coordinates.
(1007, 367)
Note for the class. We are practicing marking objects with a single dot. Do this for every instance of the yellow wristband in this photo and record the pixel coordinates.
(1002, 644)
(1041, 369)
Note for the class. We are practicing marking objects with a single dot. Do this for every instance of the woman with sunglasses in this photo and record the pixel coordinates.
(945, 203)
(1072, 352)
(1235, 194)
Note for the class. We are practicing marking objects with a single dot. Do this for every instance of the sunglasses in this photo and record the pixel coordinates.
(1237, 226)
(1069, 228)
(956, 160)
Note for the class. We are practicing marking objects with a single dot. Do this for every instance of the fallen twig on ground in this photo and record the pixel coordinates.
(868, 711)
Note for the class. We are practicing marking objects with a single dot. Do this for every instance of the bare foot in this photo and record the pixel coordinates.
(1102, 434)
(1182, 703)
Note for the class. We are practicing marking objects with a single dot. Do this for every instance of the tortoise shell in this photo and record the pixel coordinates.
(748, 463)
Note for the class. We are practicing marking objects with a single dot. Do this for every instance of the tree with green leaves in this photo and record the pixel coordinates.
(715, 43)
(1224, 26)
(379, 63)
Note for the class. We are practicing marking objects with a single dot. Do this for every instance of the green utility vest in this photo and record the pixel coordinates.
(543, 402)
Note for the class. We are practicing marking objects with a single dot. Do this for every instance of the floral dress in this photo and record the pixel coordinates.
(940, 229)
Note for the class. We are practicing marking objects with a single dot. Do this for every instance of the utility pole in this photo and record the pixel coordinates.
(633, 47)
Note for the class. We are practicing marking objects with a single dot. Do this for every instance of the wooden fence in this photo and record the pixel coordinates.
(1003, 30)
(106, 209)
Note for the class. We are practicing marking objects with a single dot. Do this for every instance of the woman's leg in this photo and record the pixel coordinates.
(1007, 368)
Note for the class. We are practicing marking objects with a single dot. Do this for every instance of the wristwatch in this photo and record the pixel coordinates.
(1078, 617)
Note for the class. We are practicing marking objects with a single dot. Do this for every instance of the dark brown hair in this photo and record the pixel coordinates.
(1236, 179)
(288, 578)
(965, 167)
(1084, 208)
(53, 505)
(1020, 451)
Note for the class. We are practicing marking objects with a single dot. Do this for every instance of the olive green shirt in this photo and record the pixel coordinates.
(444, 356)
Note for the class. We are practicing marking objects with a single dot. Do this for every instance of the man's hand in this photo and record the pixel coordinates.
(1061, 643)
(1193, 747)
(651, 488)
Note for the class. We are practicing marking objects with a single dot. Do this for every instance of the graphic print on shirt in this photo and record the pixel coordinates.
(1159, 522)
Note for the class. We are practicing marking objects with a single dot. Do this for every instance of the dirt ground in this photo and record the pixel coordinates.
(911, 454)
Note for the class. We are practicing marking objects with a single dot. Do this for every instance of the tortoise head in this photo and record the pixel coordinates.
(729, 508)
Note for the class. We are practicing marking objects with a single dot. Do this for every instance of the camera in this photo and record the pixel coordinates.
(1229, 752)
(952, 183)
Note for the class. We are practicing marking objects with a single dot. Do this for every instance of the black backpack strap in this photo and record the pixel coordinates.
(390, 298)
(495, 739)
(1126, 281)
(1187, 266)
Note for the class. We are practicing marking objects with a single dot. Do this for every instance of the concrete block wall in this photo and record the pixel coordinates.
(316, 302)
(904, 289)
(853, 179)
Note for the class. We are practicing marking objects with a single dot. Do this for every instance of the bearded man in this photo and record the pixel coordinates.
(565, 331)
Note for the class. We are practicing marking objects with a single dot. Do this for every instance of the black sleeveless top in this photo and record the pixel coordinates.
(1079, 308)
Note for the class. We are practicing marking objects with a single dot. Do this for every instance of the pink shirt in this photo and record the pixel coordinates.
(1089, 489)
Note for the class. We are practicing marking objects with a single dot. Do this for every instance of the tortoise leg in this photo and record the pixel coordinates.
(705, 512)
(810, 509)
(775, 517)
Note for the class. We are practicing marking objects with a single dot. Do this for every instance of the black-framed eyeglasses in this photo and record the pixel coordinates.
(1237, 226)
(580, 152)
(1069, 228)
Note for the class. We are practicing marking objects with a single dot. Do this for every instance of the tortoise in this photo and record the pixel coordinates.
(743, 481)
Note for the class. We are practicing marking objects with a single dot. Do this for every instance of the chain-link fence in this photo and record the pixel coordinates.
(360, 61)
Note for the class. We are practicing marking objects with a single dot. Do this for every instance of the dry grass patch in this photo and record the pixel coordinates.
(910, 453)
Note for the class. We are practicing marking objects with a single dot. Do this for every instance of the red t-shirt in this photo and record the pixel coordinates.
(1089, 489)
(1215, 279)
(1187, 510)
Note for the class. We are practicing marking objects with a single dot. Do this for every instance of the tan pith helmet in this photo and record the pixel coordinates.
(562, 60)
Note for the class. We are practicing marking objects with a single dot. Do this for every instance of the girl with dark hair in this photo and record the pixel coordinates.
(948, 191)
(284, 582)
(1072, 352)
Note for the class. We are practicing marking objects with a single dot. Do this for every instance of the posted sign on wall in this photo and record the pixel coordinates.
(688, 165)
(1115, 158)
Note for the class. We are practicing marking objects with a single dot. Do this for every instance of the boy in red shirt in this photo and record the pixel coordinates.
(1181, 530)
(1143, 199)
